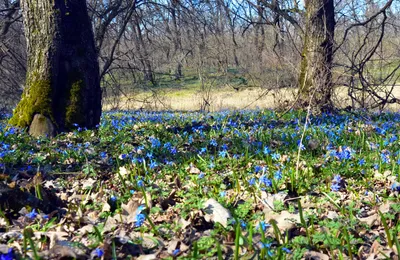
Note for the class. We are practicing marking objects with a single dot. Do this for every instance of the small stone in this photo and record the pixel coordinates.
(313, 144)
(41, 126)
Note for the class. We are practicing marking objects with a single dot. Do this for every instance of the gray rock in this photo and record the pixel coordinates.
(41, 126)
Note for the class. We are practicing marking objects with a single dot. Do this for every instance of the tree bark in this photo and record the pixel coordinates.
(141, 49)
(62, 81)
(315, 72)
(177, 39)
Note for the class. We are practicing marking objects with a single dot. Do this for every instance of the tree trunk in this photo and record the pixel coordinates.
(260, 34)
(177, 39)
(141, 49)
(315, 71)
(62, 81)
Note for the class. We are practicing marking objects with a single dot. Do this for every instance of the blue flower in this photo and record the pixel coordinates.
(299, 143)
(155, 143)
(140, 183)
(140, 218)
(202, 150)
(167, 145)
(223, 153)
(153, 164)
(286, 250)
(265, 181)
(337, 179)
(32, 214)
(213, 142)
(8, 256)
(278, 175)
(263, 225)
(266, 150)
(385, 157)
(395, 186)
(345, 155)
(265, 245)
(173, 150)
(243, 224)
(103, 155)
(361, 162)
(99, 252)
(276, 156)
(176, 252)
(257, 168)
(140, 208)
(237, 156)
(335, 187)
(252, 181)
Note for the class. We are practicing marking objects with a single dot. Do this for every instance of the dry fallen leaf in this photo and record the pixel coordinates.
(374, 248)
(332, 215)
(385, 207)
(269, 199)
(313, 255)
(172, 245)
(85, 229)
(3, 222)
(284, 219)
(148, 257)
(193, 169)
(184, 223)
(130, 211)
(111, 223)
(370, 220)
(216, 213)
(106, 207)
(123, 171)
(88, 183)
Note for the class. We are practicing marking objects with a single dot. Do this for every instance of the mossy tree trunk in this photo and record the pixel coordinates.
(315, 72)
(62, 81)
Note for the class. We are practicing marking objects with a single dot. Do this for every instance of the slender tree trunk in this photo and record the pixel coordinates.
(315, 71)
(260, 34)
(62, 81)
(142, 50)
(177, 38)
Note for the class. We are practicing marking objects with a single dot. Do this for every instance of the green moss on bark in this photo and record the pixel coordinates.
(73, 112)
(304, 83)
(36, 99)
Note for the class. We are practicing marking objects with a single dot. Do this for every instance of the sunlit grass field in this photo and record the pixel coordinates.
(232, 90)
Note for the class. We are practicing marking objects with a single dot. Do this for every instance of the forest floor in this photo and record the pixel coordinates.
(248, 184)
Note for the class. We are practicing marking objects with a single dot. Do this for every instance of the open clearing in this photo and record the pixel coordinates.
(222, 98)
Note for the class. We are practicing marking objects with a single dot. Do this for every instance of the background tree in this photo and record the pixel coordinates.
(145, 46)
(316, 65)
(12, 54)
(62, 83)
